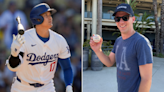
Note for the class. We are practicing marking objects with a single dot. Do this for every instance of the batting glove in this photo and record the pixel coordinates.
(18, 41)
(69, 88)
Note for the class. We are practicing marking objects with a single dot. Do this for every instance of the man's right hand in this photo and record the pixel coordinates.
(18, 41)
(96, 47)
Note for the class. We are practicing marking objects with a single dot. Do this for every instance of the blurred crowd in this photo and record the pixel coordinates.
(67, 22)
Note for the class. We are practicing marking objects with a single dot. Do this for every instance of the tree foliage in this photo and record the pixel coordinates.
(145, 23)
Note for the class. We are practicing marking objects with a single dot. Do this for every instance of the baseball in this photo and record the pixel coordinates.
(96, 38)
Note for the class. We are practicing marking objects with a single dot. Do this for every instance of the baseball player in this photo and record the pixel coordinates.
(35, 54)
(132, 53)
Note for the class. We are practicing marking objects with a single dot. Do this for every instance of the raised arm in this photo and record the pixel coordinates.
(15, 59)
(106, 60)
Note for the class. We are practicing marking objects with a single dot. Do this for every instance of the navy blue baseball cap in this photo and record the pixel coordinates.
(125, 8)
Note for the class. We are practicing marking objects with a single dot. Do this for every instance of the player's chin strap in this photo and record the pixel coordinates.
(69, 88)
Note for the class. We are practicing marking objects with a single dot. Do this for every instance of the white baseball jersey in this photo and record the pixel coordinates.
(40, 59)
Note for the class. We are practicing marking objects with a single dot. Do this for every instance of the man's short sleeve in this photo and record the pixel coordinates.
(115, 44)
(144, 51)
(64, 49)
(114, 47)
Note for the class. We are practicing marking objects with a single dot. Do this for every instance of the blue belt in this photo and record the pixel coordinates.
(32, 84)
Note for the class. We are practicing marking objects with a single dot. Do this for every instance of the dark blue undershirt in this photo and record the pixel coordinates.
(43, 39)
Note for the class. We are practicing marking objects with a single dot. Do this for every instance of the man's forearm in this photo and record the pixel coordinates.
(66, 66)
(104, 59)
(145, 85)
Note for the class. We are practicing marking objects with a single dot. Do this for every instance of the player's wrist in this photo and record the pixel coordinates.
(15, 49)
(98, 51)
(15, 52)
(69, 88)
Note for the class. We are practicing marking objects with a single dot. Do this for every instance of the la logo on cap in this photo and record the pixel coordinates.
(122, 7)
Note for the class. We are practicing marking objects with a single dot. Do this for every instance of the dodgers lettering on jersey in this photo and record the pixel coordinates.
(130, 54)
(40, 59)
(45, 58)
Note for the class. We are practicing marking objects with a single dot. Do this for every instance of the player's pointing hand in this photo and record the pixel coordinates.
(18, 41)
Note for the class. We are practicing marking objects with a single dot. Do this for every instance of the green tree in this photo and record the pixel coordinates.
(145, 23)
(132, 3)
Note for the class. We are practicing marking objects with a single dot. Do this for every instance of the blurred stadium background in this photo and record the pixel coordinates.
(67, 22)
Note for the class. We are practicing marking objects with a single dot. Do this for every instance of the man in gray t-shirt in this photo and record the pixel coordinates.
(132, 53)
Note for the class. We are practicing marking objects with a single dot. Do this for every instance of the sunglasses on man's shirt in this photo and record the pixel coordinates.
(125, 18)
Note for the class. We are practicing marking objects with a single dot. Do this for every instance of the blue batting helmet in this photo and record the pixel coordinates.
(35, 14)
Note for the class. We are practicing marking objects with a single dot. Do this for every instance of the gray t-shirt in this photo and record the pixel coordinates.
(130, 54)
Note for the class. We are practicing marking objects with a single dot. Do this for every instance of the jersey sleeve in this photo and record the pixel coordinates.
(64, 49)
(144, 52)
(67, 69)
(114, 47)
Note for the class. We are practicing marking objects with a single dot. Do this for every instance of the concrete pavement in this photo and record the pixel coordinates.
(105, 80)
